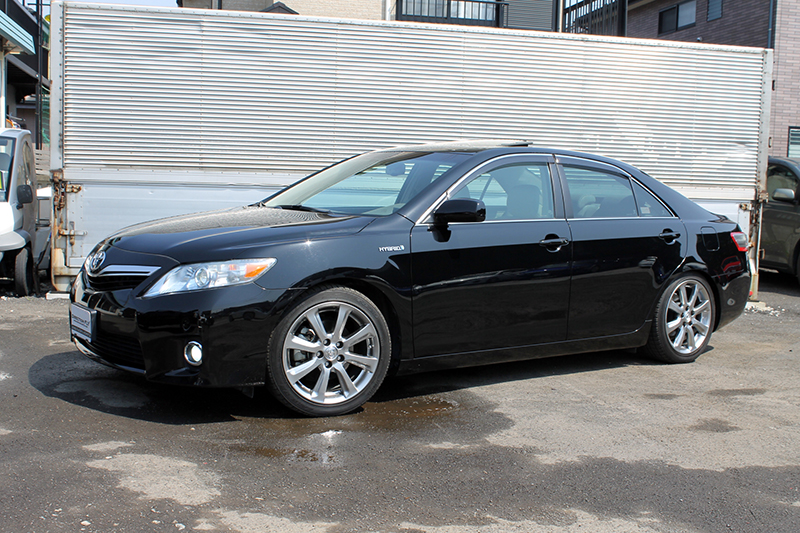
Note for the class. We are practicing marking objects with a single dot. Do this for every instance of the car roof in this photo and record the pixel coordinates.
(15, 133)
(509, 145)
(460, 145)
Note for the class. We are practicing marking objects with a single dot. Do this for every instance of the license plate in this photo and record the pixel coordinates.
(82, 322)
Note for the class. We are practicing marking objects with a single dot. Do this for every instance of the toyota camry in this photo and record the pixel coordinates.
(411, 259)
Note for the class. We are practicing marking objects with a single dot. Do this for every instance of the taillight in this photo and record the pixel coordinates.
(740, 239)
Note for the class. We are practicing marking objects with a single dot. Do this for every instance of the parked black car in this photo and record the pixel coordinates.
(410, 259)
(780, 226)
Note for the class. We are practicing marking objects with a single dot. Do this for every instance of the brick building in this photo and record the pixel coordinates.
(762, 23)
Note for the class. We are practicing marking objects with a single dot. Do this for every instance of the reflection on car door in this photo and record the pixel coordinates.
(626, 244)
(781, 223)
(494, 284)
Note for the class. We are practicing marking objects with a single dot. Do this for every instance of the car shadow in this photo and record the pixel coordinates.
(773, 282)
(71, 377)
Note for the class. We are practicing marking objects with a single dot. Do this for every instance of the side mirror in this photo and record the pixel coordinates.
(460, 210)
(24, 194)
(783, 195)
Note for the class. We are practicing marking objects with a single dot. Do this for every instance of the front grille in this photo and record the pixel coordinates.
(118, 350)
(114, 283)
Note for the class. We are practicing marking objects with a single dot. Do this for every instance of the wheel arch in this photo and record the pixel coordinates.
(691, 267)
(377, 294)
(701, 270)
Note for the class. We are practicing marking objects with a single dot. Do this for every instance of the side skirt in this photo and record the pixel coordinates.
(534, 351)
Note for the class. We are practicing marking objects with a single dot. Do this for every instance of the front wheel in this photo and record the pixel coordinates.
(683, 321)
(797, 267)
(23, 273)
(329, 354)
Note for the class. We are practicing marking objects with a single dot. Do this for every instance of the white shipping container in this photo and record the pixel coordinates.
(160, 111)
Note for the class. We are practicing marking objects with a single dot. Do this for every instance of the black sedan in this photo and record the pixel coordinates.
(411, 259)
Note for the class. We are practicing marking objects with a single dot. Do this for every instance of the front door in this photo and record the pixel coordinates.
(780, 228)
(500, 283)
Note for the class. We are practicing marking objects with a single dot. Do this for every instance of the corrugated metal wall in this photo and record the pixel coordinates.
(531, 14)
(183, 89)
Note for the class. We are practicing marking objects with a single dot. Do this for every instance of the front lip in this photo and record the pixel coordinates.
(88, 352)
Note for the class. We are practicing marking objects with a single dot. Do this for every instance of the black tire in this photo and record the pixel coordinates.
(683, 321)
(23, 273)
(333, 371)
(797, 267)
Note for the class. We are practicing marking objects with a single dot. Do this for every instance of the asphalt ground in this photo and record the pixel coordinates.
(600, 442)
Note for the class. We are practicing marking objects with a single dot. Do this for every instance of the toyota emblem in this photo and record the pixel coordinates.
(97, 261)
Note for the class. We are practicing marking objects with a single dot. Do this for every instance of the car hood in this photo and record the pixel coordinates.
(227, 234)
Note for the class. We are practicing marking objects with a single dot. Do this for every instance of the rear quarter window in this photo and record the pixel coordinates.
(649, 205)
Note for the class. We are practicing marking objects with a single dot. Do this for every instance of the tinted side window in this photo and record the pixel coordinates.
(780, 178)
(520, 191)
(598, 194)
(649, 206)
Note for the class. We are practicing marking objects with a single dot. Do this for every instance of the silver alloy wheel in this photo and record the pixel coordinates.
(331, 352)
(688, 316)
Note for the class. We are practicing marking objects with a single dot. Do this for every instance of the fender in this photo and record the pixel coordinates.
(14, 240)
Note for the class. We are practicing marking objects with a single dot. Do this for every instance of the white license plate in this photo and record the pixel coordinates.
(82, 322)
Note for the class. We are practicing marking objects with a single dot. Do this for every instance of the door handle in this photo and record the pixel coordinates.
(669, 236)
(553, 243)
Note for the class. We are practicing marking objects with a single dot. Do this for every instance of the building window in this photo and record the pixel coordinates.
(677, 17)
(794, 143)
(714, 9)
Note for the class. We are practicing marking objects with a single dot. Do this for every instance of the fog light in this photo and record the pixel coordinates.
(193, 353)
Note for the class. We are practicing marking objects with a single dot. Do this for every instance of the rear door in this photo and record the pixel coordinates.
(497, 283)
(626, 244)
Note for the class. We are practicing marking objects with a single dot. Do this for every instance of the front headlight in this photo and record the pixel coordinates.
(208, 275)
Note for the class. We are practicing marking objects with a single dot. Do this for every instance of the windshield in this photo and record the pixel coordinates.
(6, 159)
(376, 184)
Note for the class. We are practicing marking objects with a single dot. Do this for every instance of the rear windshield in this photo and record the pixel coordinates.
(6, 160)
(375, 184)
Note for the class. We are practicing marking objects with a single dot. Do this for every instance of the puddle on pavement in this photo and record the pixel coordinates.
(727, 393)
(714, 425)
(390, 415)
(292, 455)
(329, 441)
(408, 415)
(662, 396)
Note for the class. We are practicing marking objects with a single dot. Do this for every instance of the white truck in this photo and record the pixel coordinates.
(22, 238)
(160, 111)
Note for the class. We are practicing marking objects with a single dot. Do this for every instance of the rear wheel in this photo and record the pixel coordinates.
(683, 321)
(23, 273)
(329, 354)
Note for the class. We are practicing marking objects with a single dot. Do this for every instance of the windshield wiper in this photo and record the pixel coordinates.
(300, 207)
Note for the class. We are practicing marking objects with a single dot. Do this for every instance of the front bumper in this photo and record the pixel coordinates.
(148, 336)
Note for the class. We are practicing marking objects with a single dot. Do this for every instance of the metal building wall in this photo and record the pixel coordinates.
(531, 14)
(172, 89)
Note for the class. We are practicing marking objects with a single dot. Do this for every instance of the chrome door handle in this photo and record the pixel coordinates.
(669, 236)
(553, 244)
